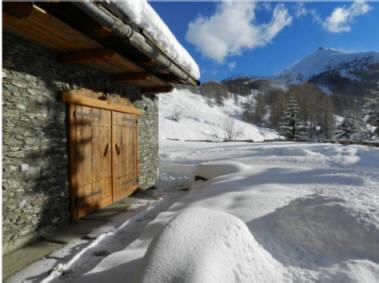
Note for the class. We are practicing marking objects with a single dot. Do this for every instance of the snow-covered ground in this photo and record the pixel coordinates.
(198, 120)
(279, 212)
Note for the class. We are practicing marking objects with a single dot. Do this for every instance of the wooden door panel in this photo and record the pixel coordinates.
(93, 159)
(84, 146)
(102, 157)
(124, 128)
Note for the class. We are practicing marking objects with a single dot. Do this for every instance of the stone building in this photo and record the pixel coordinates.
(80, 115)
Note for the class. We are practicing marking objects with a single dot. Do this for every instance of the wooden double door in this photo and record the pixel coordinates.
(103, 157)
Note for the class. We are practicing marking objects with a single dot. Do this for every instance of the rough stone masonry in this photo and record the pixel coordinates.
(35, 161)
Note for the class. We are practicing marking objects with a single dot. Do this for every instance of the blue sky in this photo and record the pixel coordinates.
(265, 38)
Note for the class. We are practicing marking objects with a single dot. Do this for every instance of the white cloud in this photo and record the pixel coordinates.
(302, 11)
(232, 65)
(341, 18)
(232, 29)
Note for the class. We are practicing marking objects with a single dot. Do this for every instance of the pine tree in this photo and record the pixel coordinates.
(352, 129)
(301, 132)
(346, 130)
(291, 127)
(371, 111)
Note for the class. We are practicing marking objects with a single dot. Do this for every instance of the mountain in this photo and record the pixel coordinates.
(253, 85)
(349, 66)
(332, 71)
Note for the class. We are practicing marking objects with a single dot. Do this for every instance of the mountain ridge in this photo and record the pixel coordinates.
(324, 60)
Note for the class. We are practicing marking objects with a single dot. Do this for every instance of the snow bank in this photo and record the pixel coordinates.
(200, 121)
(221, 250)
(142, 14)
(328, 229)
(210, 170)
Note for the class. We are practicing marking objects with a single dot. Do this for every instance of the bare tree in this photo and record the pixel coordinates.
(231, 131)
(177, 114)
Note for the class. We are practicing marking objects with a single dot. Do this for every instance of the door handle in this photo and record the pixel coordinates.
(106, 149)
(117, 149)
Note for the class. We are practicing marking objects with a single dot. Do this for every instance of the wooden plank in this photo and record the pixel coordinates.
(18, 9)
(84, 145)
(47, 30)
(137, 152)
(124, 155)
(131, 77)
(101, 159)
(72, 160)
(84, 56)
(105, 59)
(102, 104)
(99, 31)
(91, 151)
(118, 63)
(169, 78)
(74, 47)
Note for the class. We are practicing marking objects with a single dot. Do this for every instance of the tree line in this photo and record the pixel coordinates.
(301, 112)
(305, 113)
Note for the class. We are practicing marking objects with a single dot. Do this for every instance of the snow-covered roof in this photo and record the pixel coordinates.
(143, 15)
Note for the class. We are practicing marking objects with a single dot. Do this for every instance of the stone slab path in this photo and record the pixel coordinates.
(87, 229)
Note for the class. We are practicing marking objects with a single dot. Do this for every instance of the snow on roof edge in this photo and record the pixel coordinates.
(142, 14)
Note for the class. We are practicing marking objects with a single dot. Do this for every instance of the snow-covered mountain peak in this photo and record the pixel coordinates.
(325, 50)
(326, 59)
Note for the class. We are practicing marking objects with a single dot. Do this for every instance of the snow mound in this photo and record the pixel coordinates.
(221, 250)
(142, 14)
(210, 170)
(328, 229)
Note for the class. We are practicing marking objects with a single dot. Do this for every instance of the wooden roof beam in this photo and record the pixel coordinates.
(84, 56)
(169, 77)
(131, 77)
(18, 9)
(157, 89)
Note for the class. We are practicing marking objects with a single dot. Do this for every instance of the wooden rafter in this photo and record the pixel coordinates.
(18, 9)
(170, 78)
(75, 47)
(157, 89)
(131, 77)
(98, 31)
(84, 56)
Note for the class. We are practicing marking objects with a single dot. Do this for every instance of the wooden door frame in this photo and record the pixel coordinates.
(72, 160)
(82, 97)
(72, 97)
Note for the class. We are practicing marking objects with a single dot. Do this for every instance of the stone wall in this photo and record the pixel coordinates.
(35, 161)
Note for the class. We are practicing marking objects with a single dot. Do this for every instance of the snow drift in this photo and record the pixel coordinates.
(221, 250)
(325, 230)
(210, 170)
